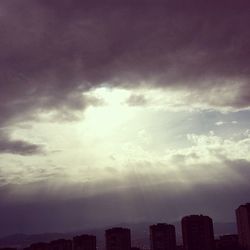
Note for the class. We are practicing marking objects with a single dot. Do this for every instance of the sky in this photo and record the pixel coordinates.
(122, 111)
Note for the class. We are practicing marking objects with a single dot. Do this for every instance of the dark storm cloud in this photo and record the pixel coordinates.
(51, 52)
(19, 147)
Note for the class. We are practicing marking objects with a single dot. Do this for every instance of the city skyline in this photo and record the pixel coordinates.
(122, 111)
(161, 235)
(197, 234)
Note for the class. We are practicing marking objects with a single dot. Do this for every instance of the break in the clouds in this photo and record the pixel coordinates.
(122, 100)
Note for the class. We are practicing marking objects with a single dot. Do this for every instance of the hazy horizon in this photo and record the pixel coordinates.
(138, 229)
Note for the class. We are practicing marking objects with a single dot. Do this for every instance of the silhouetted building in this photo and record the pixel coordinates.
(84, 242)
(162, 237)
(197, 232)
(243, 225)
(61, 244)
(39, 246)
(179, 248)
(135, 248)
(227, 242)
(8, 248)
(118, 239)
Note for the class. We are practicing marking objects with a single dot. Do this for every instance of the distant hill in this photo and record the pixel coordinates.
(139, 231)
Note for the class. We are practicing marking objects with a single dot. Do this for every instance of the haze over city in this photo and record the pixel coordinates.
(122, 111)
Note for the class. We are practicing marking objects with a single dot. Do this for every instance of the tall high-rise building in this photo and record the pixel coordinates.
(84, 242)
(118, 239)
(197, 232)
(243, 225)
(162, 237)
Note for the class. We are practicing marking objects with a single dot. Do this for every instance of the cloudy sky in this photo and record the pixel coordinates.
(120, 111)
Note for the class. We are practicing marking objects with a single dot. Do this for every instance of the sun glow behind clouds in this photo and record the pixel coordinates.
(126, 134)
(130, 126)
(108, 139)
(112, 115)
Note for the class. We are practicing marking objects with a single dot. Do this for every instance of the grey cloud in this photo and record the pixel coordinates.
(19, 147)
(137, 100)
(241, 167)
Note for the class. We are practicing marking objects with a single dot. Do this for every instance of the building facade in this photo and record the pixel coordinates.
(243, 225)
(39, 246)
(118, 239)
(61, 244)
(84, 242)
(197, 232)
(227, 242)
(162, 237)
